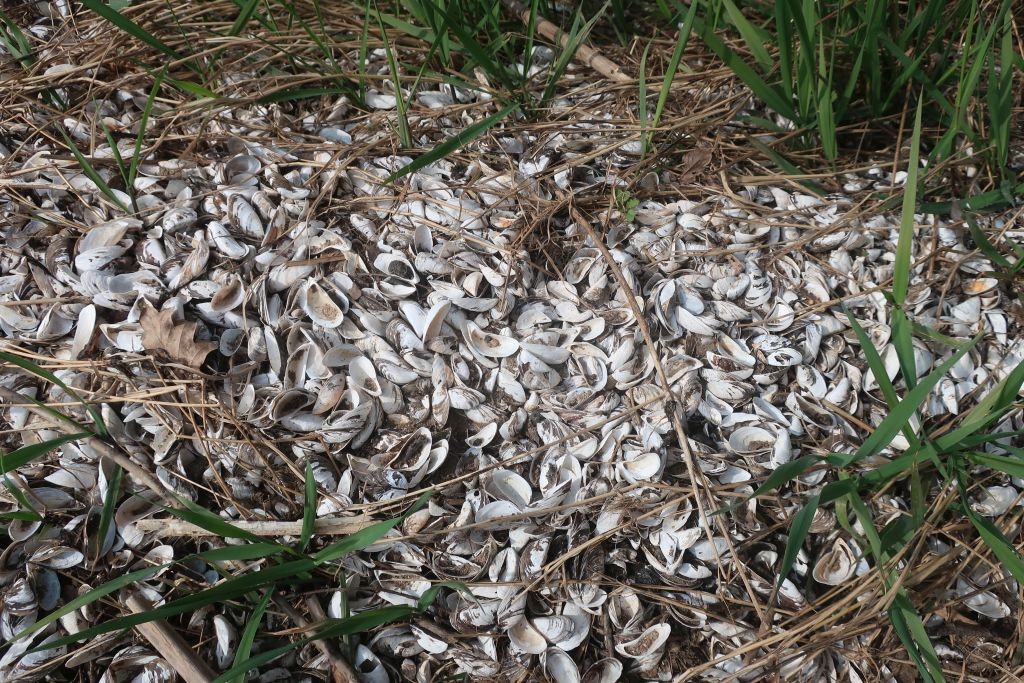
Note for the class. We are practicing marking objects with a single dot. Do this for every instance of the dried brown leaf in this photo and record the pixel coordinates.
(175, 340)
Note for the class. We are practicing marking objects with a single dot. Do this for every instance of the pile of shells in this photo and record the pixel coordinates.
(269, 306)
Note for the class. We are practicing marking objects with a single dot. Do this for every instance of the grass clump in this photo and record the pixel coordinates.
(934, 462)
(826, 66)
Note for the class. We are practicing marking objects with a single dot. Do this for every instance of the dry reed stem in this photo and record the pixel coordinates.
(170, 645)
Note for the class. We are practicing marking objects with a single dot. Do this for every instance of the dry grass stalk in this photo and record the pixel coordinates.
(586, 54)
(170, 645)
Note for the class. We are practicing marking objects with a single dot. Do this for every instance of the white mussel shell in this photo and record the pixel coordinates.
(646, 643)
(996, 501)
(227, 639)
(559, 666)
(836, 566)
(229, 296)
(491, 515)
(490, 345)
(363, 376)
(244, 217)
(370, 668)
(640, 467)
(983, 602)
(747, 440)
(608, 670)
(508, 485)
(526, 638)
(320, 308)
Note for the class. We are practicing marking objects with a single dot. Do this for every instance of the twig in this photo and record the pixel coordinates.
(166, 641)
(584, 53)
(341, 670)
(171, 528)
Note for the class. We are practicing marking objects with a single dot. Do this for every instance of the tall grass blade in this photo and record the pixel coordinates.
(248, 9)
(249, 635)
(134, 30)
(642, 99)
(453, 143)
(368, 536)
(27, 365)
(91, 172)
(26, 454)
(403, 120)
(901, 268)
(107, 514)
(901, 413)
(577, 34)
(133, 170)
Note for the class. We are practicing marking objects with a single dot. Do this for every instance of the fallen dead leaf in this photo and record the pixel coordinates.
(175, 340)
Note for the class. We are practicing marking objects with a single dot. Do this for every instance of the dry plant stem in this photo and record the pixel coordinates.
(170, 645)
(697, 480)
(341, 671)
(586, 54)
(173, 528)
(105, 450)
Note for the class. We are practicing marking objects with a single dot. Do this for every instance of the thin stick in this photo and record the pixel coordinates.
(584, 53)
(341, 670)
(170, 645)
(174, 528)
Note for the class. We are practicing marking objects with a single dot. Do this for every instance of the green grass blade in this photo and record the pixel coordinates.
(903, 342)
(107, 514)
(134, 30)
(783, 474)
(787, 166)
(901, 413)
(359, 623)
(308, 508)
(26, 454)
(642, 100)
(89, 598)
(901, 268)
(798, 529)
(875, 362)
(292, 94)
(364, 41)
(230, 589)
(754, 37)
(577, 34)
(15, 41)
(911, 631)
(214, 523)
(997, 543)
(1011, 466)
(32, 514)
(453, 143)
(986, 411)
(428, 597)
(249, 635)
(118, 159)
(29, 366)
(243, 17)
(133, 170)
(770, 95)
(673, 65)
(985, 245)
(91, 172)
(403, 120)
(368, 536)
